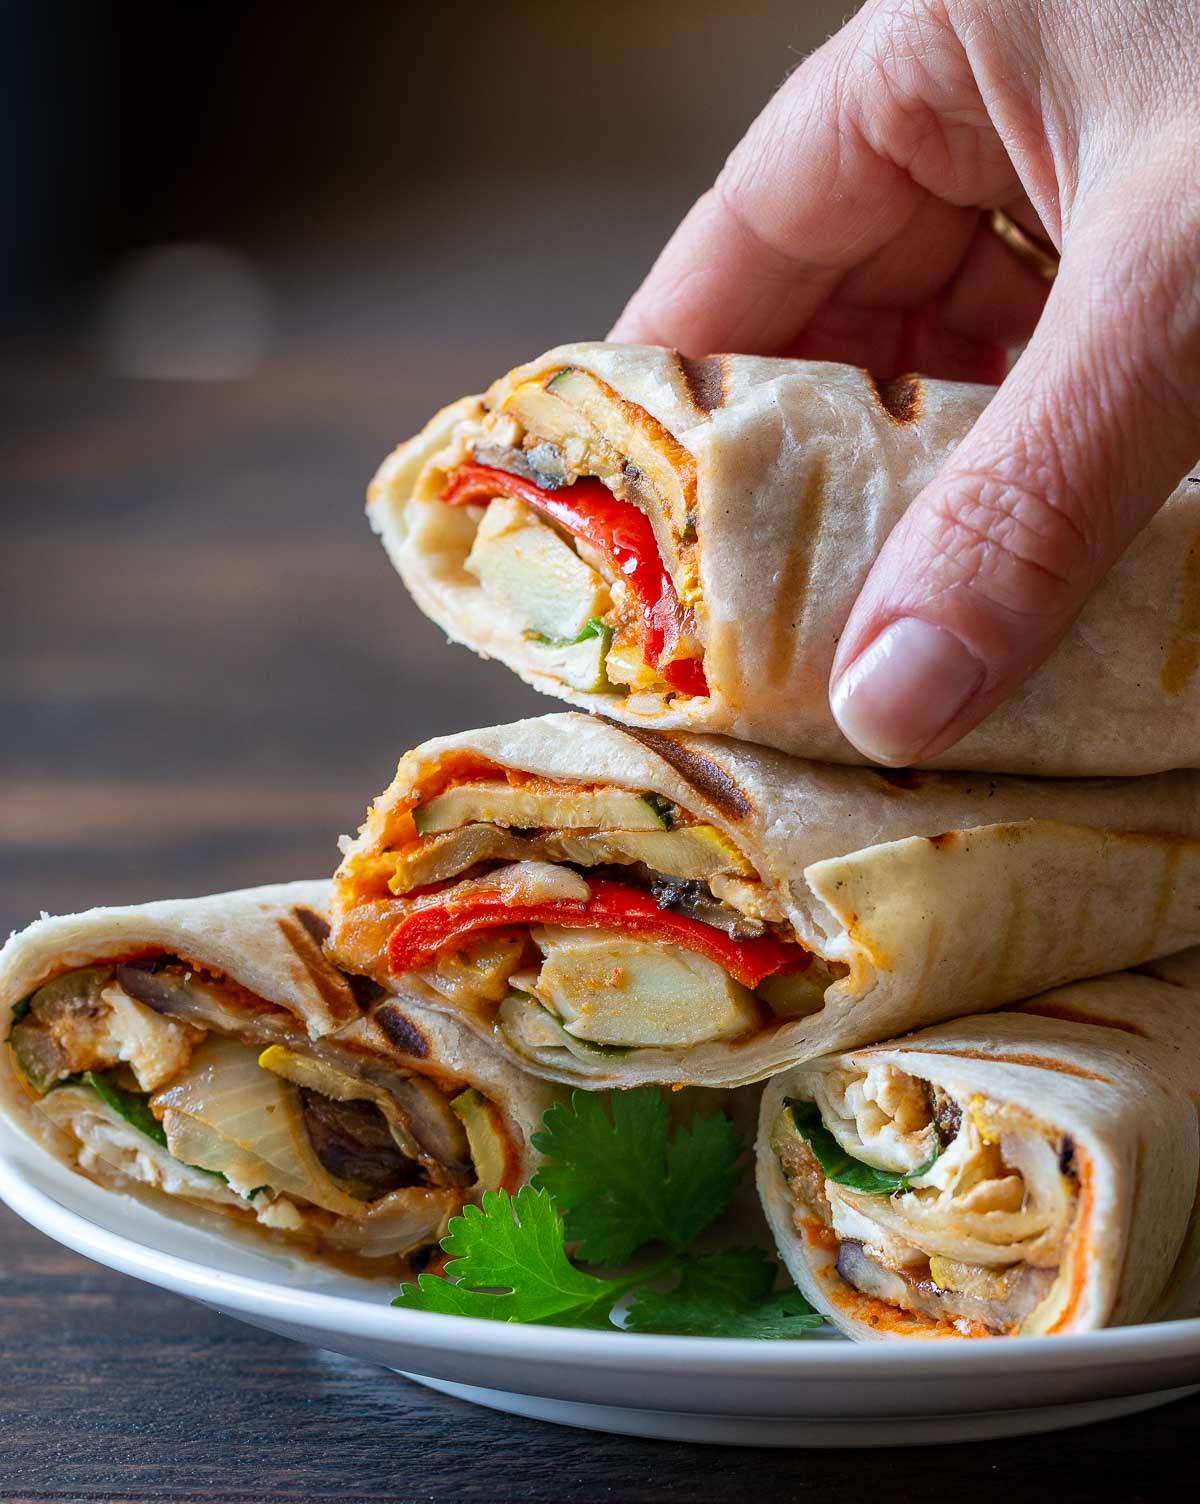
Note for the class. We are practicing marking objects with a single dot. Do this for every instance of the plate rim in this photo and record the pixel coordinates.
(314, 1310)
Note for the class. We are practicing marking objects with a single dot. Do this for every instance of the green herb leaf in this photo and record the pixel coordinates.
(510, 1264)
(782, 1317)
(21, 1009)
(622, 1179)
(133, 1106)
(843, 1168)
(725, 1294)
(593, 628)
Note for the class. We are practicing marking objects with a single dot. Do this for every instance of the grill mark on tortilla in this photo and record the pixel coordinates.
(1038, 1062)
(785, 626)
(366, 991)
(902, 778)
(900, 397)
(709, 780)
(331, 984)
(704, 379)
(317, 927)
(401, 1031)
(1183, 656)
(1081, 1016)
(1166, 892)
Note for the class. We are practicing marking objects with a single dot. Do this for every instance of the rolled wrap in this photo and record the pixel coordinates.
(771, 486)
(921, 895)
(253, 970)
(1072, 1208)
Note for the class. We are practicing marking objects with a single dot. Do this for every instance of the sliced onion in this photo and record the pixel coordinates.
(398, 1223)
(946, 1220)
(1047, 1191)
(226, 1113)
(105, 1135)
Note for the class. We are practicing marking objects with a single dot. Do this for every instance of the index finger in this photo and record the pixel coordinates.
(826, 179)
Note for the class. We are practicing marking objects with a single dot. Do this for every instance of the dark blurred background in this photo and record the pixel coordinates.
(246, 249)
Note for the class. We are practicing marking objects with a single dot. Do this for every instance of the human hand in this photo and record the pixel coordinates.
(846, 226)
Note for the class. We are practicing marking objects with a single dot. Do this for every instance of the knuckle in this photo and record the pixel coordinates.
(733, 195)
(1009, 543)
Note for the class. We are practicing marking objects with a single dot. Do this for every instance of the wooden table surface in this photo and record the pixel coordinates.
(206, 671)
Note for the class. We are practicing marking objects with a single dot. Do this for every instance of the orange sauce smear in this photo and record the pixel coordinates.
(878, 1314)
(1082, 1238)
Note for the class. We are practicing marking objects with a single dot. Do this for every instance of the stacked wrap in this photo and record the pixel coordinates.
(252, 970)
(1083, 1098)
(922, 896)
(770, 486)
(634, 897)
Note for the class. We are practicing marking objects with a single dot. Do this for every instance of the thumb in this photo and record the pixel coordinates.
(992, 562)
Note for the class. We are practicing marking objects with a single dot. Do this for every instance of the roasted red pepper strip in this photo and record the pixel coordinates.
(588, 509)
(422, 935)
(686, 675)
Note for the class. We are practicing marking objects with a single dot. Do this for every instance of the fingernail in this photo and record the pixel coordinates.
(904, 690)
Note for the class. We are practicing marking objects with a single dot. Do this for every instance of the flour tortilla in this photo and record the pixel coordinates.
(942, 894)
(796, 472)
(269, 940)
(1110, 1063)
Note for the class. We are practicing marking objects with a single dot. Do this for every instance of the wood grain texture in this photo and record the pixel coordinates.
(113, 1391)
(207, 669)
(207, 665)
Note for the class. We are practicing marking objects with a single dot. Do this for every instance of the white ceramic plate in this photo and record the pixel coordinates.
(804, 1393)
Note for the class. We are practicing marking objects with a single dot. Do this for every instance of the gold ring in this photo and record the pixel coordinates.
(1036, 253)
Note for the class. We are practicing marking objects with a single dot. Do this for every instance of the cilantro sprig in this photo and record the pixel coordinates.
(510, 1264)
(618, 1179)
(622, 1179)
(725, 1294)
